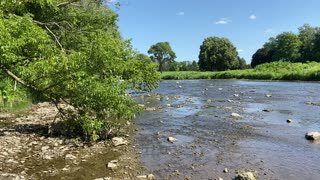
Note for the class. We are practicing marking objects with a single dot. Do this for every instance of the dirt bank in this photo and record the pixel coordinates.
(26, 152)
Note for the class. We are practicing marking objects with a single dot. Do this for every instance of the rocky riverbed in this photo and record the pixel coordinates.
(27, 152)
(216, 129)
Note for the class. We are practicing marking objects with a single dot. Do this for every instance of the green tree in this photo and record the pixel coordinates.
(194, 66)
(72, 52)
(145, 73)
(162, 54)
(287, 48)
(262, 55)
(242, 63)
(307, 35)
(316, 47)
(217, 54)
(188, 66)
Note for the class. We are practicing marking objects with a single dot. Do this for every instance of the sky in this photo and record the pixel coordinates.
(248, 24)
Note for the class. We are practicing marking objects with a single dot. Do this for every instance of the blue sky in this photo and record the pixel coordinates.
(248, 24)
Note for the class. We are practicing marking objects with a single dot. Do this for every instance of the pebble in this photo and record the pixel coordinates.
(118, 141)
(235, 115)
(225, 170)
(245, 176)
(44, 148)
(267, 110)
(70, 157)
(172, 139)
(112, 165)
(103, 178)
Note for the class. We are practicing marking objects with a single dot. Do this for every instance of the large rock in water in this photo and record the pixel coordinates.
(245, 176)
(313, 136)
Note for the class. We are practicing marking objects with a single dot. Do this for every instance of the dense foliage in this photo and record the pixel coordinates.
(218, 54)
(162, 53)
(72, 52)
(181, 66)
(290, 47)
(268, 71)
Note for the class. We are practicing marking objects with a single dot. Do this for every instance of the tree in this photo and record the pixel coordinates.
(287, 48)
(307, 38)
(72, 52)
(316, 47)
(242, 63)
(146, 70)
(217, 54)
(188, 66)
(262, 55)
(162, 54)
(194, 66)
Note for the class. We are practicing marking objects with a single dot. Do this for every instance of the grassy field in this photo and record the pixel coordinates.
(270, 71)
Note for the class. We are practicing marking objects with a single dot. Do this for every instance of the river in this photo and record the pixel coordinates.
(198, 114)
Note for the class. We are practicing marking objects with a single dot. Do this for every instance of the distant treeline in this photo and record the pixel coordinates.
(291, 47)
(219, 54)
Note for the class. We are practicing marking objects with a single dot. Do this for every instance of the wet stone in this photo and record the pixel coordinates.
(235, 115)
(267, 110)
(289, 120)
(313, 136)
(268, 95)
(225, 170)
(172, 139)
(245, 176)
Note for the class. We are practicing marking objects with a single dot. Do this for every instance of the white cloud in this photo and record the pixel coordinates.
(253, 17)
(269, 31)
(181, 13)
(240, 50)
(112, 1)
(223, 21)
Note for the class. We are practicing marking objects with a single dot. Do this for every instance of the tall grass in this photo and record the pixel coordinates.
(13, 97)
(269, 71)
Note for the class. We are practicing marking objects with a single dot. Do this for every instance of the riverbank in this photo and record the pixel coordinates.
(28, 153)
(269, 71)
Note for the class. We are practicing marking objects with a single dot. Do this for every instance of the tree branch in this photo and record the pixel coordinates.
(63, 4)
(55, 37)
(9, 73)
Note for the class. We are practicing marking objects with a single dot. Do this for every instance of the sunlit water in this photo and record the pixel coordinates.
(197, 113)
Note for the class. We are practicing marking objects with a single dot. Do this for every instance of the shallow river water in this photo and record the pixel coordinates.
(198, 114)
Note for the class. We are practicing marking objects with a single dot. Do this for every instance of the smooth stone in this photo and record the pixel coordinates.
(235, 115)
(313, 135)
(118, 141)
(172, 139)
